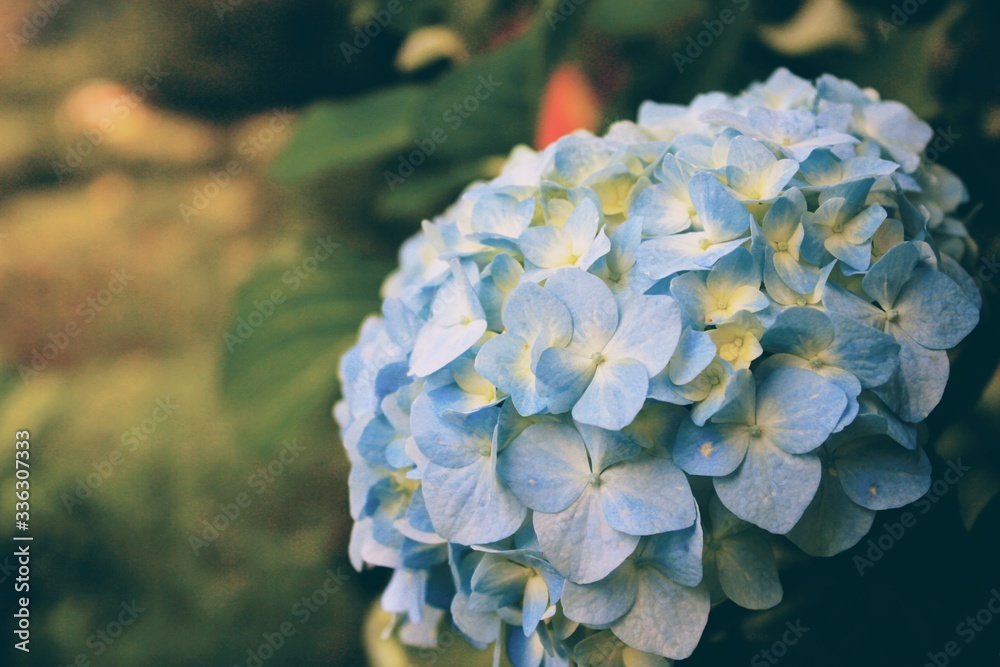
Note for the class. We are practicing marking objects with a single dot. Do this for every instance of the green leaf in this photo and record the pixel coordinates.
(278, 367)
(488, 105)
(339, 135)
(642, 17)
(428, 191)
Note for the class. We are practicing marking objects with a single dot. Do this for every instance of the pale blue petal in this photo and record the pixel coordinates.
(500, 214)
(721, 214)
(648, 331)
(625, 242)
(832, 523)
(897, 429)
(691, 292)
(614, 396)
(375, 439)
(771, 488)
(660, 212)
(452, 398)
(583, 561)
(799, 276)
(496, 583)
(857, 257)
(604, 601)
(666, 619)
(536, 602)
(695, 351)
(563, 377)
(956, 272)
(591, 304)
(546, 466)
(532, 310)
(505, 360)
(744, 562)
(455, 441)
(458, 321)
(662, 256)
(607, 448)
(470, 505)
(741, 401)
(481, 629)
(678, 553)
(655, 427)
(802, 331)
(646, 495)
(887, 276)
(797, 410)
(438, 345)
(869, 354)
(599, 248)
(583, 223)
(501, 276)
(716, 397)
(784, 216)
(838, 300)
(882, 475)
(525, 650)
(713, 449)
(417, 516)
(546, 247)
(934, 310)
(918, 384)
(735, 270)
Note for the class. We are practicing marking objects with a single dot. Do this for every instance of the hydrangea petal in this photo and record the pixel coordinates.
(648, 331)
(917, 385)
(546, 466)
(647, 495)
(455, 441)
(832, 523)
(934, 311)
(883, 475)
(771, 488)
(564, 376)
(666, 619)
(471, 505)
(744, 562)
(797, 410)
(615, 394)
(713, 449)
(583, 561)
(591, 304)
(604, 601)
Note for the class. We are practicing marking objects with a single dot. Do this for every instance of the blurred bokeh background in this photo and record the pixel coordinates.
(195, 215)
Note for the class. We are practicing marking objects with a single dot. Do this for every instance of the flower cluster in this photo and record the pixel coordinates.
(600, 381)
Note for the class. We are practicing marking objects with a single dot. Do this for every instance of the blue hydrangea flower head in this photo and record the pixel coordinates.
(759, 291)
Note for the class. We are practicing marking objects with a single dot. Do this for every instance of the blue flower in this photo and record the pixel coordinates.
(521, 579)
(534, 320)
(602, 373)
(739, 564)
(579, 242)
(585, 480)
(758, 447)
(843, 225)
(457, 322)
(724, 225)
(754, 173)
(864, 470)
(744, 303)
(653, 601)
(466, 502)
(712, 297)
